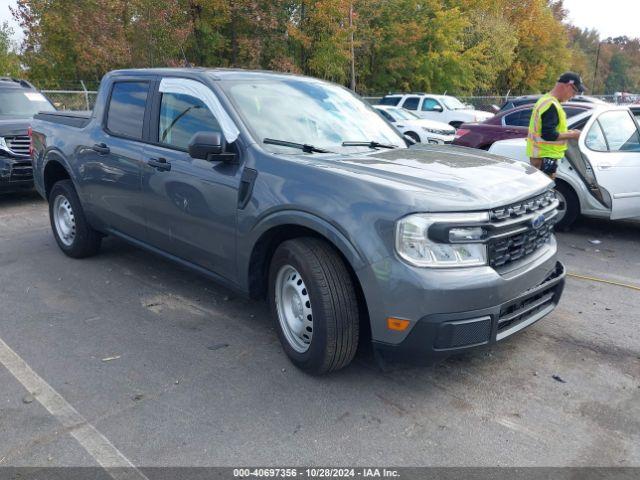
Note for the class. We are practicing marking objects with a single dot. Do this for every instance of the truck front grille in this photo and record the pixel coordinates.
(535, 302)
(515, 247)
(19, 144)
(519, 229)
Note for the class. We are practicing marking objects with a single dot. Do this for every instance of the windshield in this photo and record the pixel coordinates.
(404, 114)
(307, 112)
(452, 103)
(23, 103)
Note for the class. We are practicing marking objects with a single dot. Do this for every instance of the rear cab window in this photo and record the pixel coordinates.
(393, 101)
(127, 104)
(411, 103)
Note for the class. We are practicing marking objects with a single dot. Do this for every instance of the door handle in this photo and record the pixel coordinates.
(159, 164)
(101, 148)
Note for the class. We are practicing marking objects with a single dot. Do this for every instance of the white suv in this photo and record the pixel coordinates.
(442, 108)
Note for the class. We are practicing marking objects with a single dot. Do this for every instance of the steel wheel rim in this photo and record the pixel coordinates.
(294, 308)
(562, 207)
(64, 220)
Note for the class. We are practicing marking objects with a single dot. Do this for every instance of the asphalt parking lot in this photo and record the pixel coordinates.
(133, 356)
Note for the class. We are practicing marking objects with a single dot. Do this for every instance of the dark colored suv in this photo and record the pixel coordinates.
(19, 102)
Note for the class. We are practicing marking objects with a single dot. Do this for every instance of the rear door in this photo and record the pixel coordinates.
(112, 160)
(190, 204)
(611, 142)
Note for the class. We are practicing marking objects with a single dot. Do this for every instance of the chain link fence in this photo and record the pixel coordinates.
(72, 99)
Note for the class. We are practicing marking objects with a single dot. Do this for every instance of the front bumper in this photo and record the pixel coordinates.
(15, 173)
(441, 335)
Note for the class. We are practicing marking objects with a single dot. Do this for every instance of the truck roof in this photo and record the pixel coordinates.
(17, 83)
(215, 73)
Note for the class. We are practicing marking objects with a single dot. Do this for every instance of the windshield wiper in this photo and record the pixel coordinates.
(371, 144)
(302, 146)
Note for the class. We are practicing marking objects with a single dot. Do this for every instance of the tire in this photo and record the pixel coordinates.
(455, 125)
(72, 232)
(316, 275)
(413, 136)
(569, 203)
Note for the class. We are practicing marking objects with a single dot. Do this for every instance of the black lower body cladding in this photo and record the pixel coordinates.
(439, 336)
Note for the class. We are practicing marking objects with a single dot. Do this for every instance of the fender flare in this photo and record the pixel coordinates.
(308, 220)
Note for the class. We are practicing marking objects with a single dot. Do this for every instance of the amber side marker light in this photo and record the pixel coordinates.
(397, 324)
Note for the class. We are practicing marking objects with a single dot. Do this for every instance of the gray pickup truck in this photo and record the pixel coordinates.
(294, 189)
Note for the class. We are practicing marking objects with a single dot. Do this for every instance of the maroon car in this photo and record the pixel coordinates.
(512, 123)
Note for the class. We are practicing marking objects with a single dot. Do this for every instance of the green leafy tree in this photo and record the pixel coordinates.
(9, 59)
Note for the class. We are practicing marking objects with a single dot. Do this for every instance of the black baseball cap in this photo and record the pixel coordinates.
(574, 79)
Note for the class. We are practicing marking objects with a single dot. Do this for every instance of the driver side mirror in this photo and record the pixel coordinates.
(437, 108)
(210, 146)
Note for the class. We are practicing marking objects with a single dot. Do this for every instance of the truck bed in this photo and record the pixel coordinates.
(78, 119)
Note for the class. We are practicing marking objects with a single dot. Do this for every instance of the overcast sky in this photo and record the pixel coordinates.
(611, 18)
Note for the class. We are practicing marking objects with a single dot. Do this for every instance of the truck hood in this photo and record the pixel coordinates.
(16, 126)
(443, 177)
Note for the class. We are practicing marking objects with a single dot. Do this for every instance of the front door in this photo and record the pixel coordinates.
(612, 145)
(190, 204)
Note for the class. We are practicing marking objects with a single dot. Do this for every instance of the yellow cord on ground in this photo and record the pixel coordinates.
(601, 280)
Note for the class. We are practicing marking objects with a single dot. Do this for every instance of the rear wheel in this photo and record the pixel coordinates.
(72, 232)
(314, 305)
(569, 208)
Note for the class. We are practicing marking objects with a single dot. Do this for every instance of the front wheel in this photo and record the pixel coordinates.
(413, 136)
(314, 305)
(72, 232)
(569, 208)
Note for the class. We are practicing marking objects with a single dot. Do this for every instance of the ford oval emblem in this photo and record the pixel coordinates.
(538, 221)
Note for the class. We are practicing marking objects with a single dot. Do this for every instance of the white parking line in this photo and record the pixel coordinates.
(95, 443)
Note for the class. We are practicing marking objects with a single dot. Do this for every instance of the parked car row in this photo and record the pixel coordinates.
(506, 124)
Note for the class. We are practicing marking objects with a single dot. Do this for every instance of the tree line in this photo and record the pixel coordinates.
(376, 46)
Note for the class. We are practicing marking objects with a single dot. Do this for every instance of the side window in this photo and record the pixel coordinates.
(393, 101)
(595, 139)
(519, 119)
(181, 116)
(125, 115)
(620, 131)
(428, 104)
(411, 103)
(387, 116)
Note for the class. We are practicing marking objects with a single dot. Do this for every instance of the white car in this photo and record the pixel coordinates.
(443, 108)
(420, 130)
(600, 174)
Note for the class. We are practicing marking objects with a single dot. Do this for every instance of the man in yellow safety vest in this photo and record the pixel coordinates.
(548, 133)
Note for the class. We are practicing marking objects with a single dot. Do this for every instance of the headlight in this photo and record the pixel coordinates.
(3, 144)
(415, 246)
(437, 131)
